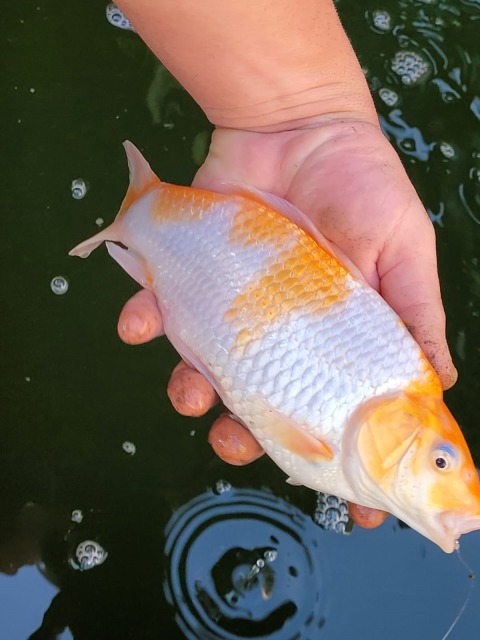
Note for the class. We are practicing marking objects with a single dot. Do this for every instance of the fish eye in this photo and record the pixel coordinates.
(445, 456)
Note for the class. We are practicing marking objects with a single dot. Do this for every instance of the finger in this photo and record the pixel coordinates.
(232, 442)
(140, 319)
(365, 517)
(190, 393)
(409, 283)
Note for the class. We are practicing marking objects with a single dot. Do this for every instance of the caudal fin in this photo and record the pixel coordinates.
(142, 179)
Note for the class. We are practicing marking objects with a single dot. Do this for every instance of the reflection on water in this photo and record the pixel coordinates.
(423, 47)
(244, 563)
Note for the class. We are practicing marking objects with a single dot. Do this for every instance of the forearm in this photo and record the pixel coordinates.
(257, 63)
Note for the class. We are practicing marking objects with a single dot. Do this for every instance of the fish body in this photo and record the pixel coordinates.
(299, 348)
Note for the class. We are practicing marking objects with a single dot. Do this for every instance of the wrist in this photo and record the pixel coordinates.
(304, 108)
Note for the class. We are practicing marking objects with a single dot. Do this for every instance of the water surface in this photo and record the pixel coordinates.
(181, 550)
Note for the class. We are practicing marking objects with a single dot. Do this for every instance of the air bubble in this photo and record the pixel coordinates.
(129, 448)
(410, 66)
(474, 174)
(117, 18)
(77, 516)
(99, 222)
(89, 554)
(389, 97)
(382, 20)
(447, 150)
(79, 189)
(407, 144)
(270, 555)
(59, 285)
(340, 527)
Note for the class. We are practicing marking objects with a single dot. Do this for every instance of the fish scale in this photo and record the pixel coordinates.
(300, 349)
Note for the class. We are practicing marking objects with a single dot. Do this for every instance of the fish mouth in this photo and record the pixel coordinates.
(453, 525)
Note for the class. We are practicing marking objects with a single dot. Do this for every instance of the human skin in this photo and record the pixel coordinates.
(294, 117)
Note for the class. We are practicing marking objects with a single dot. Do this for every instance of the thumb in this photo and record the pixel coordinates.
(409, 283)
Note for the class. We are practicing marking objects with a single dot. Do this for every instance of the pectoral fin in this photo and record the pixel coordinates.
(293, 437)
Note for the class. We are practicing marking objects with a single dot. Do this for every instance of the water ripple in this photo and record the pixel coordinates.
(242, 563)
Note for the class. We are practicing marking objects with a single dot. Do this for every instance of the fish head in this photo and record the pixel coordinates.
(412, 458)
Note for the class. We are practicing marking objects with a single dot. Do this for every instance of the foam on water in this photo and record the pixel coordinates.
(411, 67)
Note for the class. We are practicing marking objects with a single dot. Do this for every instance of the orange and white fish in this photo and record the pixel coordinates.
(300, 349)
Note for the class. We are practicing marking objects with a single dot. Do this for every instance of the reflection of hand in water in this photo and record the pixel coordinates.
(192, 395)
(21, 538)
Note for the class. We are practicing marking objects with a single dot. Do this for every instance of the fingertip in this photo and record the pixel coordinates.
(233, 443)
(434, 346)
(140, 320)
(365, 517)
(190, 393)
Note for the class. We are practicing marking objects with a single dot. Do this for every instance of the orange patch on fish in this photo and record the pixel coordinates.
(303, 275)
(181, 204)
(429, 384)
(443, 496)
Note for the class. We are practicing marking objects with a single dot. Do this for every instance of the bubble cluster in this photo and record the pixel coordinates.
(129, 448)
(89, 554)
(389, 97)
(382, 20)
(410, 66)
(59, 285)
(222, 486)
(331, 514)
(117, 18)
(77, 516)
(79, 188)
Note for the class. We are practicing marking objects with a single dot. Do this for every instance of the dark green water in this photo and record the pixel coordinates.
(73, 88)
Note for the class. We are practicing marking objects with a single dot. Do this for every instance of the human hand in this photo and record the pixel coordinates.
(351, 183)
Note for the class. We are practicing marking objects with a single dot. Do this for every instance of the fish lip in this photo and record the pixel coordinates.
(454, 525)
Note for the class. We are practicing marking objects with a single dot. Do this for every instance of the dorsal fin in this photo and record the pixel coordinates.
(142, 177)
